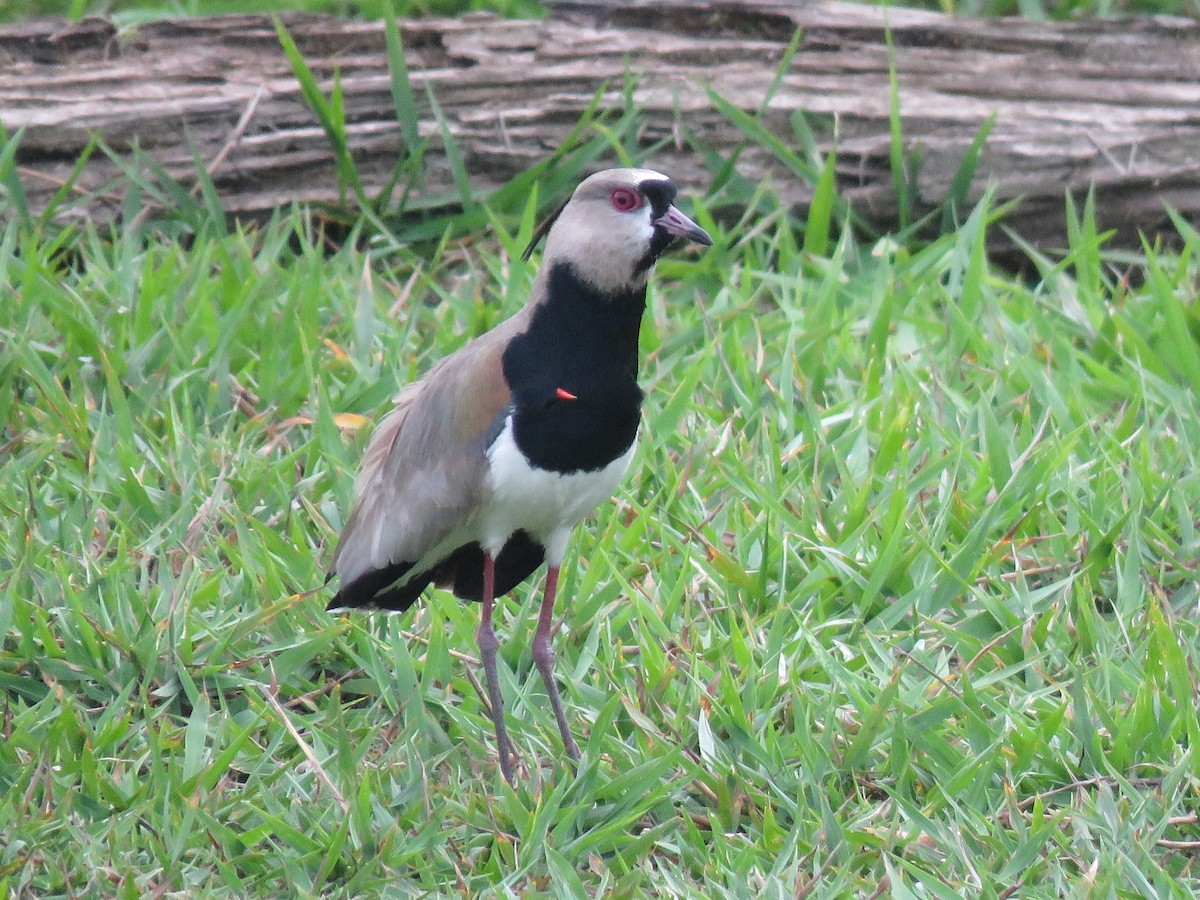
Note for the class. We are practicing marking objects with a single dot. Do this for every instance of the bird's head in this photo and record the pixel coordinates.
(615, 226)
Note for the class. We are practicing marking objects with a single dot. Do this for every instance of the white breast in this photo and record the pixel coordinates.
(545, 504)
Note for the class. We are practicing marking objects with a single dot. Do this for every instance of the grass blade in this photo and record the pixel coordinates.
(329, 113)
(820, 211)
(900, 161)
(10, 180)
(458, 169)
(403, 100)
(960, 184)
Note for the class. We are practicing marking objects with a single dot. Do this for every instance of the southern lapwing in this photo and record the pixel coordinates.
(486, 464)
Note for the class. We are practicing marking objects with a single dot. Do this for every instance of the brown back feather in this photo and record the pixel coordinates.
(425, 467)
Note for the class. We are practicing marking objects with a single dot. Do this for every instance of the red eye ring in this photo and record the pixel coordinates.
(626, 200)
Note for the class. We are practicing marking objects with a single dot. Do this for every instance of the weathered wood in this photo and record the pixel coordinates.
(1111, 103)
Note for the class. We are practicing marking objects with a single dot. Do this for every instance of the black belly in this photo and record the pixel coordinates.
(582, 343)
(581, 435)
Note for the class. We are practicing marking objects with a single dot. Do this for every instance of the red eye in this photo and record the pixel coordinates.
(625, 200)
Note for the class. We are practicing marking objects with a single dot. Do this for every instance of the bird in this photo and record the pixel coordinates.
(479, 473)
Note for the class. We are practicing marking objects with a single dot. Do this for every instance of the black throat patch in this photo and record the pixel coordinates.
(660, 195)
(582, 342)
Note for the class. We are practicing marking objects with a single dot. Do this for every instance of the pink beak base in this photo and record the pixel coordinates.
(676, 223)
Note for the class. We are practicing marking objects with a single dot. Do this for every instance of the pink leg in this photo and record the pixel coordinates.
(543, 656)
(485, 635)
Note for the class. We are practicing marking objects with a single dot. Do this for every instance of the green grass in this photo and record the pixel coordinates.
(899, 597)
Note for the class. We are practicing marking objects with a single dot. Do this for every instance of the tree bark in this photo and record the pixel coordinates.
(1109, 104)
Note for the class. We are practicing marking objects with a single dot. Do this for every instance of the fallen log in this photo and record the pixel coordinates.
(1108, 104)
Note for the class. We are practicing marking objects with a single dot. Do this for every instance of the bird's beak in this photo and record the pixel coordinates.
(676, 223)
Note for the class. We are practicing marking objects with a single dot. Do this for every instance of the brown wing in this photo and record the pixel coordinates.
(424, 471)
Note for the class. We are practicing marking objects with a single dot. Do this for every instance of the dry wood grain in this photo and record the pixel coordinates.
(1113, 103)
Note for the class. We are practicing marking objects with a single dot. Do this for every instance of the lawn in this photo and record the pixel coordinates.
(899, 599)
